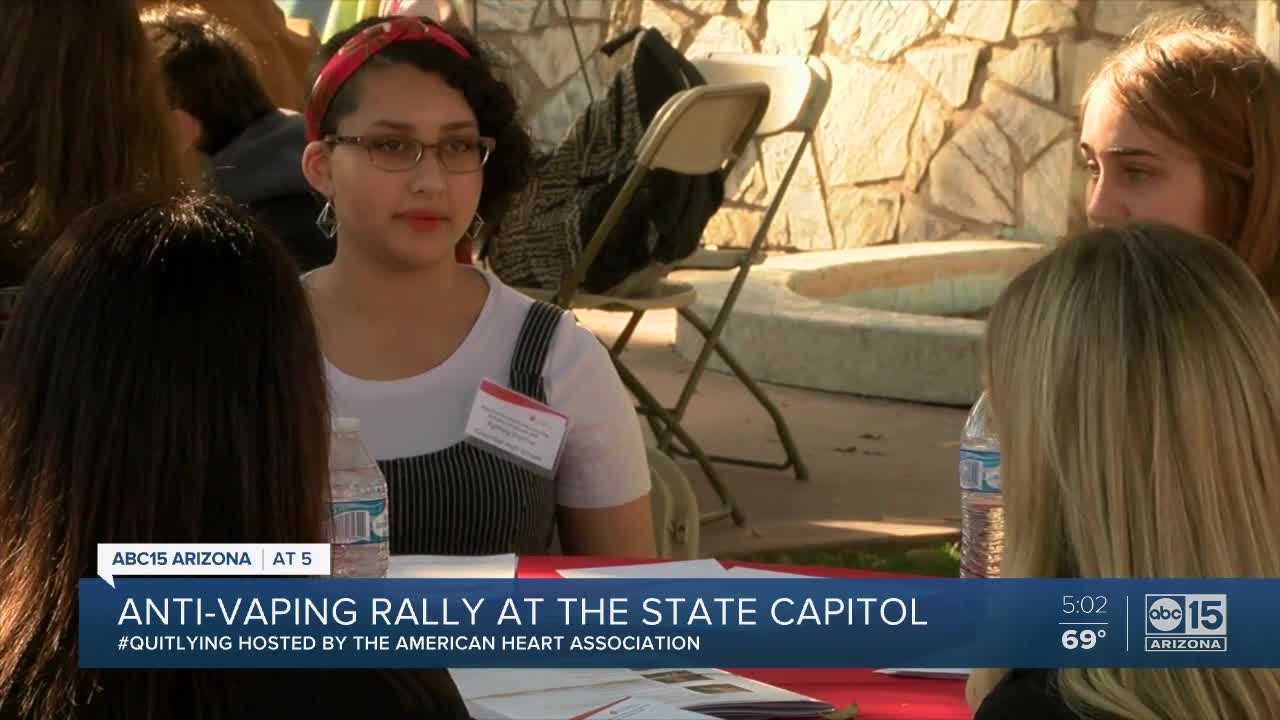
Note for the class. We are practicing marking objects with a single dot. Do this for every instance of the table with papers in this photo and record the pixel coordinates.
(886, 694)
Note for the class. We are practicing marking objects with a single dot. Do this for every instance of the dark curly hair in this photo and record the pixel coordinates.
(510, 165)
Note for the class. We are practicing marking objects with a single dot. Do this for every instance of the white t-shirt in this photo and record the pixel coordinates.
(603, 463)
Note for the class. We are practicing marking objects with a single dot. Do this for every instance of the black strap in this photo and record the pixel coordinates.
(532, 347)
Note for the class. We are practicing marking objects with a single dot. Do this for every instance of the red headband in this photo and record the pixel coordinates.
(355, 52)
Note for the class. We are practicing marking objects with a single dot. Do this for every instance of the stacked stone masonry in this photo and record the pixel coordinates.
(947, 119)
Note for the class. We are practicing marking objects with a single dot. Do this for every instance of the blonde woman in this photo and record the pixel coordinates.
(1133, 380)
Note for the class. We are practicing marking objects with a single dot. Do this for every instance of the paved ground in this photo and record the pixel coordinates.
(880, 471)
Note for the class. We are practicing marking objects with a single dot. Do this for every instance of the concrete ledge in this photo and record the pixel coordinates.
(857, 321)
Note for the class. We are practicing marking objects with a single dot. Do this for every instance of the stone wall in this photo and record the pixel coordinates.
(948, 118)
(536, 39)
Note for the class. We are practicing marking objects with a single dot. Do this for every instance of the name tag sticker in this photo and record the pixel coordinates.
(516, 427)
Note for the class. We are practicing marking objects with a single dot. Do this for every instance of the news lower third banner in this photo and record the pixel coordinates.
(731, 622)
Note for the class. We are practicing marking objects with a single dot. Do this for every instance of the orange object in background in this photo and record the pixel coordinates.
(282, 47)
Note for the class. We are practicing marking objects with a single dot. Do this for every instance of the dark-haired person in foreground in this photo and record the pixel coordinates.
(414, 143)
(161, 382)
(250, 150)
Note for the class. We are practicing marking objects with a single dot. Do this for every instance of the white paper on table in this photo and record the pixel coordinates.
(936, 673)
(518, 694)
(635, 709)
(501, 567)
(704, 568)
(477, 710)
(750, 572)
(625, 708)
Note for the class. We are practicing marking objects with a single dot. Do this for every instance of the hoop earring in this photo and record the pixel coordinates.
(472, 233)
(326, 222)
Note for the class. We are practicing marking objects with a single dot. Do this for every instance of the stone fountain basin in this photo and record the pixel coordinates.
(891, 321)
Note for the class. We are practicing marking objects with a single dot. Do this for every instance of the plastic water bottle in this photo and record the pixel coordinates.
(982, 505)
(358, 493)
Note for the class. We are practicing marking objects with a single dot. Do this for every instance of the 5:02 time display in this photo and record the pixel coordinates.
(1084, 604)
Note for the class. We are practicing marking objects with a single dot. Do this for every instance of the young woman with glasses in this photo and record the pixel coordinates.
(415, 143)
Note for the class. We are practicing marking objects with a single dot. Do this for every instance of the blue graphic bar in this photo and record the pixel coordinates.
(925, 623)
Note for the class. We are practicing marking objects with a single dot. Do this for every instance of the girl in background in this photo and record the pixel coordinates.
(1182, 126)
(1138, 441)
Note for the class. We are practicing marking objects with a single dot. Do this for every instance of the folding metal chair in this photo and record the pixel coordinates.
(698, 131)
(798, 91)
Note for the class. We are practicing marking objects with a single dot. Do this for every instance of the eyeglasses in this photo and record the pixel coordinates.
(396, 153)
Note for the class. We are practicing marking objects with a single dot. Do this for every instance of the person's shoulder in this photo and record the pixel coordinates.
(574, 349)
(1025, 694)
(515, 305)
(279, 133)
(504, 295)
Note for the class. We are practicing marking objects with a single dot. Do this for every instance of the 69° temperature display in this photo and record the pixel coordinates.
(1075, 638)
(1085, 622)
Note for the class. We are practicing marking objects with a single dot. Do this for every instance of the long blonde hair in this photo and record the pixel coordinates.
(1134, 375)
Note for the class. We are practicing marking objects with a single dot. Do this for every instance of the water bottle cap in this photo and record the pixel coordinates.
(346, 424)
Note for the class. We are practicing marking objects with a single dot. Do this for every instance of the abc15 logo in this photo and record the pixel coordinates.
(1204, 614)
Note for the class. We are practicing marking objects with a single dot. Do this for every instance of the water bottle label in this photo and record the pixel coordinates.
(979, 470)
(359, 522)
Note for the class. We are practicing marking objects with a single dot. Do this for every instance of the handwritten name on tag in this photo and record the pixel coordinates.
(517, 427)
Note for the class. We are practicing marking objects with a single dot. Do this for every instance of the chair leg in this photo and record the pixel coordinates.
(656, 424)
(621, 343)
(651, 406)
(779, 422)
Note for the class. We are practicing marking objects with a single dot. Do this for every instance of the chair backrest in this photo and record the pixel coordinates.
(676, 521)
(703, 129)
(697, 131)
(799, 87)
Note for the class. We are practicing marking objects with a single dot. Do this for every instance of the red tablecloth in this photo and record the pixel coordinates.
(878, 697)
